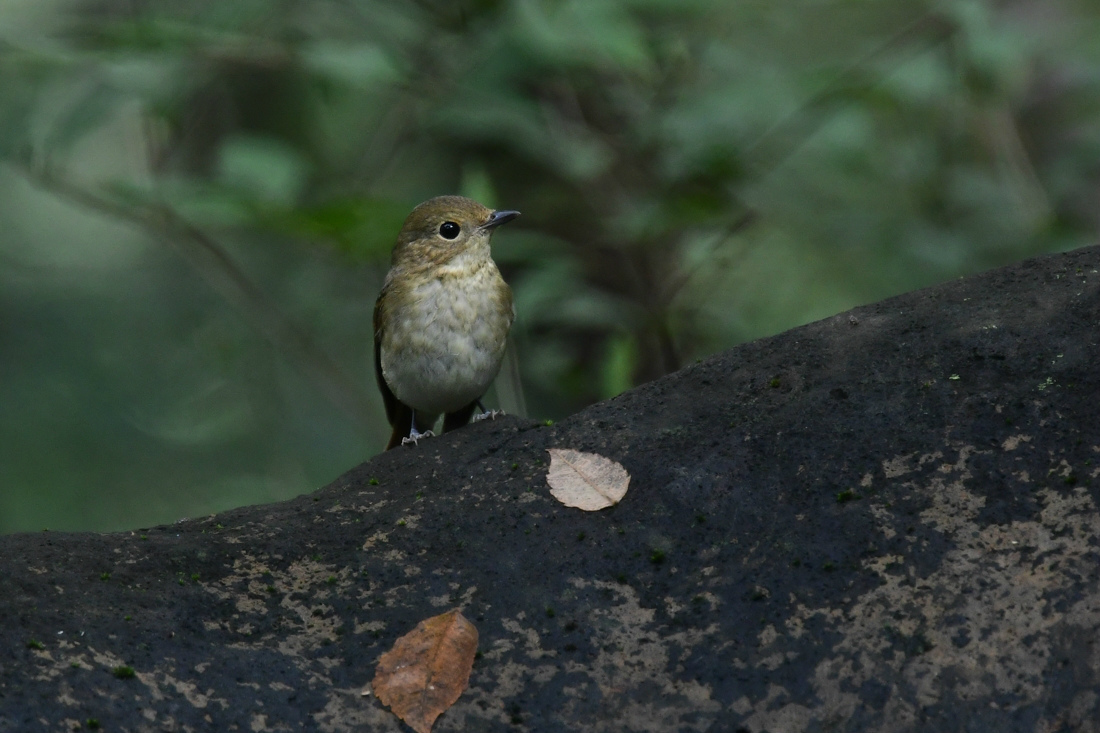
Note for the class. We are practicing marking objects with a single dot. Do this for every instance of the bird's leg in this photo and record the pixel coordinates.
(414, 434)
(490, 414)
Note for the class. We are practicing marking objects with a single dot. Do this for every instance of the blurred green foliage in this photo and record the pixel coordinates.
(198, 200)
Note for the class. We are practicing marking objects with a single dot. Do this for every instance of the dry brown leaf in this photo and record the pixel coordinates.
(427, 669)
(587, 481)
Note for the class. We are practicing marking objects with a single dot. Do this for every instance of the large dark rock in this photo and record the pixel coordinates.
(886, 520)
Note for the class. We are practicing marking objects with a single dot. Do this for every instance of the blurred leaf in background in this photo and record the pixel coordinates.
(198, 201)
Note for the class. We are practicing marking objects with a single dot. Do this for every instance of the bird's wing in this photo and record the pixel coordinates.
(388, 397)
(511, 305)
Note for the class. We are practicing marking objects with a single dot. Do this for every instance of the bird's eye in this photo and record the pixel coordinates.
(449, 230)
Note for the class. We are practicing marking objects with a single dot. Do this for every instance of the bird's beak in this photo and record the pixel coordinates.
(499, 217)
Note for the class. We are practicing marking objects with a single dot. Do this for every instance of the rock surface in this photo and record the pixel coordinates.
(883, 521)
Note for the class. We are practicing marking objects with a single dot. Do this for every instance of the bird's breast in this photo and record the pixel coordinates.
(445, 336)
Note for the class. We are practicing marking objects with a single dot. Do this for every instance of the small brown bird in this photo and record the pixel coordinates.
(441, 321)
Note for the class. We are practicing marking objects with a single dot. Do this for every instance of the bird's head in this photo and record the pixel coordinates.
(444, 227)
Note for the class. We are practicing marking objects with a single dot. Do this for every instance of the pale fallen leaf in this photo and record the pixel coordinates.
(427, 669)
(586, 481)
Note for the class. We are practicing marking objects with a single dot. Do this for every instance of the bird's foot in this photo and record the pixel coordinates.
(415, 436)
(488, 415)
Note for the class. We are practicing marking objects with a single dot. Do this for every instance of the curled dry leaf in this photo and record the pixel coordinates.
(427, 669)
(587, 481)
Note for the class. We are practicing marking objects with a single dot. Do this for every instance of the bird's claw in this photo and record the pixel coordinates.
(415, 436)
(488, 415)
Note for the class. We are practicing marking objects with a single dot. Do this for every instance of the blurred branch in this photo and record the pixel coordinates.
(1009, 147)
(786, 136)
(216, 267)
(680, 278)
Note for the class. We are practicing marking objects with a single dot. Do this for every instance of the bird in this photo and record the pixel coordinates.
(442, 318)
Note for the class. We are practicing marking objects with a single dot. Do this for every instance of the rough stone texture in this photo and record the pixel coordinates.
(883, 521)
